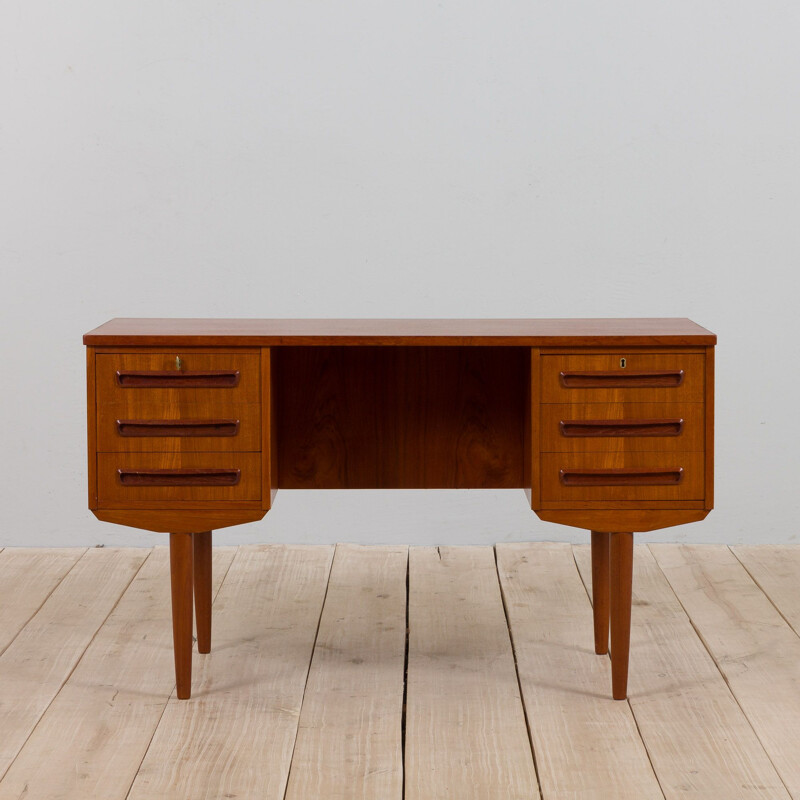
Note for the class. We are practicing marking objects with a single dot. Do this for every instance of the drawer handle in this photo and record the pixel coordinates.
(135, 428)
(621, 380)
(621, 477)
(166, 379)
(585, 428)
(179, 477)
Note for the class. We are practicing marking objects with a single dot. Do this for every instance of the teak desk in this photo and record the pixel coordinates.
(606, 424)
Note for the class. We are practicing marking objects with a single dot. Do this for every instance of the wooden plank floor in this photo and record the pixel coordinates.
(392, 673)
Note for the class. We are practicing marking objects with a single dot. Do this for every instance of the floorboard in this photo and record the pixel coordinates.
(465, 726)
(753, 646)
(349, 742)
(587, 748)
(234, 738)
(699, 741)
(29, 575)
(36, 664)
(776, 569)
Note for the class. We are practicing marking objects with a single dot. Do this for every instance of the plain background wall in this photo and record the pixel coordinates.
(406, 159)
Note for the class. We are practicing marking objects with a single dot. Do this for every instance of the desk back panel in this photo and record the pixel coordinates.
(401, 417)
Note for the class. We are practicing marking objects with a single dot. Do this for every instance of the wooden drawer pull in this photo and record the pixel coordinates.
(578, 428)
(177, 427)
(621, 380)
(179, 477)
(621, 477)
(167, 379)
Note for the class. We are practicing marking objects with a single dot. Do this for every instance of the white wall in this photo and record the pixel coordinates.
(486, 159)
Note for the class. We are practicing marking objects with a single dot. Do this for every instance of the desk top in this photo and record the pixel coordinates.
(396, 332)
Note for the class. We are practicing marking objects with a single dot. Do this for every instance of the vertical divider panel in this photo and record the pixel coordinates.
(91, 425)
(709, 407)
(533, 414)
(269, 445)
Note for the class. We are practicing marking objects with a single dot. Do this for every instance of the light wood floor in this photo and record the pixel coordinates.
(395, 672)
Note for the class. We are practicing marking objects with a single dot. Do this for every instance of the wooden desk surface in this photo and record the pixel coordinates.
(496, 332)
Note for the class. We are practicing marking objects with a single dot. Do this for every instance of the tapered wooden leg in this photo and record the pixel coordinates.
(180, 561)
(202, 589)
(621, 569)
(600, 582)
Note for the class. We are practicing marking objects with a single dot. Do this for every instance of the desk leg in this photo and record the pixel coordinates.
(180, 560)
(600, 590)
(621, 570)
(202, 589)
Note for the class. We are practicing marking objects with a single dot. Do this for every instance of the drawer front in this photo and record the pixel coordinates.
(130, 480)
(135, 381)
(617, 477)
(150, 426)
(617, 377)
(622, 427)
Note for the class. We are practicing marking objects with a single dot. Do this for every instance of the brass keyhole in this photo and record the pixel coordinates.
(178, 362)
(623, 363)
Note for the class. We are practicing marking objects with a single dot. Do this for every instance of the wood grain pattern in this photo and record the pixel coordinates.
(532, 432)
(109, 349)
(636, 520)
(274, 332)
(113, 492)
(269, 434)
(32, 676)
(202, 560)
(465, 730)
(690, 388)
(91, 426)
(699, 741)
(601, 590)
(691, 436)
(400, 418)
(627, 505)
(112, 702)
(709, 443)
(251, 685)
(179, 520)
(27, 577)
(181, 582)
(349, 737)
(586, 747)
(620, 562)
(753, 646)
(247, 390)
(690, 487)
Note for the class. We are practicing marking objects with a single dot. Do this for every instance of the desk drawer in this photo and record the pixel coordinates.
(622, 476)
(136, 381)
(178, 427)
(610, 377)
(129, 480)
(624, 427)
